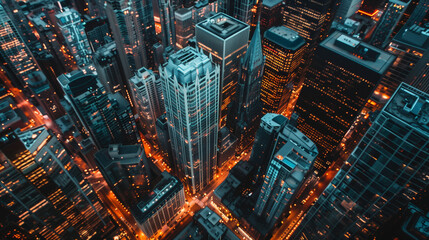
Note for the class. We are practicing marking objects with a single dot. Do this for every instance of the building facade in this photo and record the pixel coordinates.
(191, 96)
(384, 172)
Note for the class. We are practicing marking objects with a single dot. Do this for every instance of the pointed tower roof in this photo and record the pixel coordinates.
(254, 56)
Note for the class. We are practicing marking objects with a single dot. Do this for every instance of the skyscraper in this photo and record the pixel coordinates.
(133, 29)
(98, 32)
(107, 118)
(337, 85)
(14, 52)
(246, 109)
(225, 39)
(73, 31)
(239, 9)
(271, 14)
(347, 8)
(310, 18)
(285, 174)
(42, 185)
(283, 50)
(146, 91)
(265, 143)
(165, 202)
(191, 95)
(385, 171)
(166, 15)
(391, 16)
(184, 27)
(109, 69)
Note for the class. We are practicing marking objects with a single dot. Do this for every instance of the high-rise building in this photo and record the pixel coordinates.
(107, 118)
(203, 9)
(418, 77)
(16, 57)
(271, 14)
(164, 203)
(385, 171)
(146, 91)
(133, 29)
(239, 9)
(337, 85)
(184, 27)
(166, 15)
(225, 39)
(283, 50)
(126, 170)
(109, 69)
(98, 32)
(43, 187)
(391, 16)
(191, 96)
(265, 143)
(246, 109)
(73, 31)
(285, 174)
(310, 18)
(409, 47)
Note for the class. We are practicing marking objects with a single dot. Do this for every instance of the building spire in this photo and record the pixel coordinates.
(254, 56)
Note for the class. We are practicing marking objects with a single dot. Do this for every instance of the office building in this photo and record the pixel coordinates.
(159, 208)
(337, 86)
(271, 14)
(409, 47)
(238, 9)
(146, 92)
(391, 16)
(385, 171)
(43, 187)
(203, 9)
(310, 19)
(16, 57)
(246, 109)
(283, 50)
(73, 31)
(285, 174)
(106, 118)
(191, 96)
(133, 29)
(166, 15)
(109, 68)
(225, 39)
(98, 32)
(184, 27)
(126, 170)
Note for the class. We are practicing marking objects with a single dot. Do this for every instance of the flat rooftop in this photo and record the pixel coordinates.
(222, 25)
(284, 37)
(271, 3)
(411, 106)
(414, 36)
(378, 61)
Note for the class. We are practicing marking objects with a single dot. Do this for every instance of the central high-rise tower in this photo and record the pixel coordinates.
(191, 92)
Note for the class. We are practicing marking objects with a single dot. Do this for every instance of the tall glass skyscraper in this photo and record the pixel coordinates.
(41, 184)
(337, 85)
(133, 29)
(225, 39)
(386, 170)
(285, 174)
(191, 92)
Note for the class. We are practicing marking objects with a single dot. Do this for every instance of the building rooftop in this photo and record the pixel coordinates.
(271, 3)
(411, 106)
(285, 37)
(186, 64)
(33, 138)
(415, 36)
(165, 189)
(222, 25)
(362, 53)
(120, 154)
